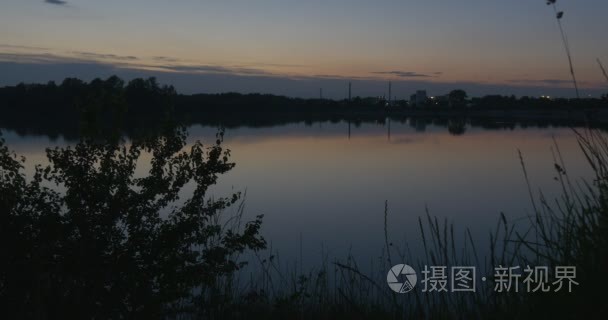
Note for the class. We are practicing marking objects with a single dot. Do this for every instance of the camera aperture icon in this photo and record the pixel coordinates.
(401, 278)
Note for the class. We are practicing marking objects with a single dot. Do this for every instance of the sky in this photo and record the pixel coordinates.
(294, 48)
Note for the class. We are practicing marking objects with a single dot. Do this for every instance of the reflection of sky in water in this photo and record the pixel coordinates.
(312, 181)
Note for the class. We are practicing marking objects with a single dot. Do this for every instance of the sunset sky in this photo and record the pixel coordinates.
(295, 47)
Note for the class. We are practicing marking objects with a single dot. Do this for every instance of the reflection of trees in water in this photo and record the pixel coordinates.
(101, 247)
(419, 124)
(61, 109)
(457, 126)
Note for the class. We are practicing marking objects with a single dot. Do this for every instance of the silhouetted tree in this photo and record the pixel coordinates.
(457, 97)
(106, 242)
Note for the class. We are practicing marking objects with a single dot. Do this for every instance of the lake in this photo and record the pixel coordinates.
(322, 187)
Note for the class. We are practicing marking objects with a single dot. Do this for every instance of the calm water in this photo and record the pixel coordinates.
(322, 187)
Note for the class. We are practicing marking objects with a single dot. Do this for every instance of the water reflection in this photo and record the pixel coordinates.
(456, 125)
(326, 182)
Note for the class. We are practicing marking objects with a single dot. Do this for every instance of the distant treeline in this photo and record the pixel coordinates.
(75, 105)
(67, 108)
(141, 104)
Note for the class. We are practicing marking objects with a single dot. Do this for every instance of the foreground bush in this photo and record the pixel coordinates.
(87, 237)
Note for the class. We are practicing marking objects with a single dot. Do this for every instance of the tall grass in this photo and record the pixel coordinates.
(558, 16)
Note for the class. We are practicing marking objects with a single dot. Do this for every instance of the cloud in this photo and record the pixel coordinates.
(94, 55)
(166, 64)
(280, 65)
(213, 69)
(11, 46)
(407, 74)
(335, 77)
(250, 65)
(545, 82)
(32, 58)
(130, 62)
(57, 2)
(165, 59)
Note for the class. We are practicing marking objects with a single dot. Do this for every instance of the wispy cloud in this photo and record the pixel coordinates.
(337, 77)
(33, 58)
(264, 64)
(94, 55)
(165, 59)
(12, 46)
(248, 65)
(545, 82)
(168, 64)
(57, 2)
(213, 69)
(408, 74)
(165, 64)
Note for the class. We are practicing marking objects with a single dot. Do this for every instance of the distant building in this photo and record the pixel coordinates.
(418, 99)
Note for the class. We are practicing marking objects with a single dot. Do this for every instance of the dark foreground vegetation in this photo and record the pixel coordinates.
(64, 109)
(87, 237)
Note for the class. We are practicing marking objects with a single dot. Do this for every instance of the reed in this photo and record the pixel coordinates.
(559, 15)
